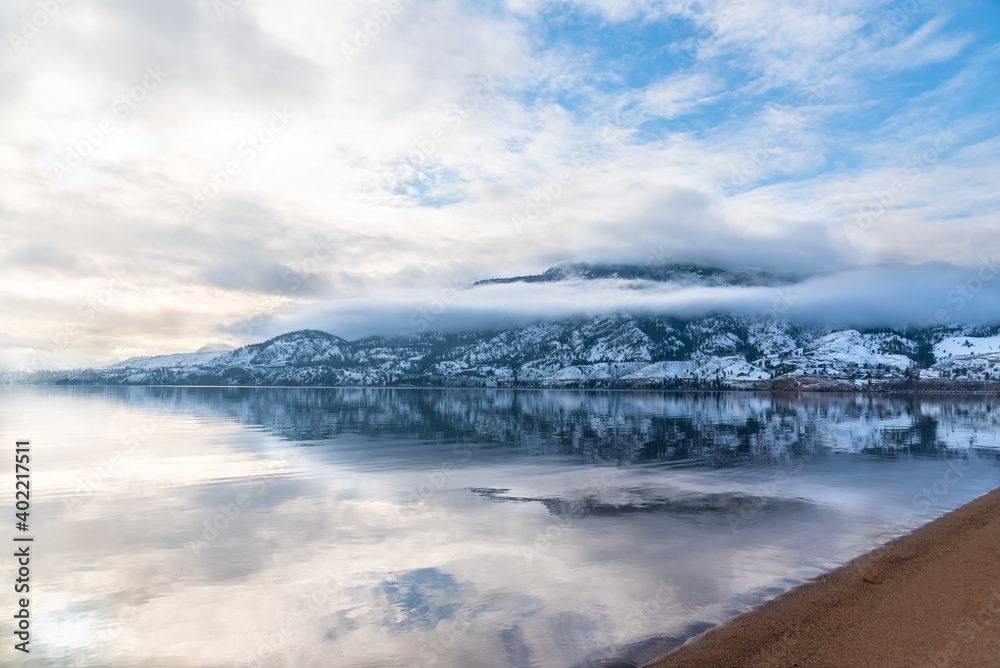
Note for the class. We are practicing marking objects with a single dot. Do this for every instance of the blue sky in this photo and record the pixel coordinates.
(286, 168)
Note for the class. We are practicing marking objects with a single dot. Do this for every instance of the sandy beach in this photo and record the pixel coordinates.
(930, 598)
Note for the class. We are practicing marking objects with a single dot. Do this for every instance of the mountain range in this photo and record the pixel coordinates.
(618, 350)
(615, 351)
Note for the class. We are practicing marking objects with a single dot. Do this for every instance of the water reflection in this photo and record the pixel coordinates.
(628, 426)
(342, 527)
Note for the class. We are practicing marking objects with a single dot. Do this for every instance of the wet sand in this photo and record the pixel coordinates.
(930, 598)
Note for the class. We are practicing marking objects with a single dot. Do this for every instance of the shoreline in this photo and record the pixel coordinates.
(928, 598)
(989, 390)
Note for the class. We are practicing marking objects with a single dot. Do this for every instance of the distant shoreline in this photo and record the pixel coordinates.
(843, 386)
(931, 597)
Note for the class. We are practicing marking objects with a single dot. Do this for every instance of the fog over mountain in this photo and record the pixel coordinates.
(887, 296)
(900, 297)
(593, 325)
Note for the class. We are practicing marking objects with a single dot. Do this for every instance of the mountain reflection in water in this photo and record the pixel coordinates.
(395, 527)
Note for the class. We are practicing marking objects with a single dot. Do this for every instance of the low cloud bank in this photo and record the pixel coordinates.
(889, 296)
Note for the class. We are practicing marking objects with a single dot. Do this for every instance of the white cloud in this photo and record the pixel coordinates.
(343, 169)
(680, 94)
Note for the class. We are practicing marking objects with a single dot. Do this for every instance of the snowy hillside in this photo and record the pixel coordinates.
(176, 361)
(605, 351)
(964, 346)
(303, 348)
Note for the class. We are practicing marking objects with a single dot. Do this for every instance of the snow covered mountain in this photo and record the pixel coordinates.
(176, 361)
(683, 274)
(605, 351)
(619, 350)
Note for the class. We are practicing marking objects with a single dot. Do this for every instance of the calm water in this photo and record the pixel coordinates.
(337, 527)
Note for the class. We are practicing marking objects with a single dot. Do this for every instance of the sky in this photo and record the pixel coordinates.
(187, 174)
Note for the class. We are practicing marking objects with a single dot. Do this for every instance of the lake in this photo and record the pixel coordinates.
(454, 528)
